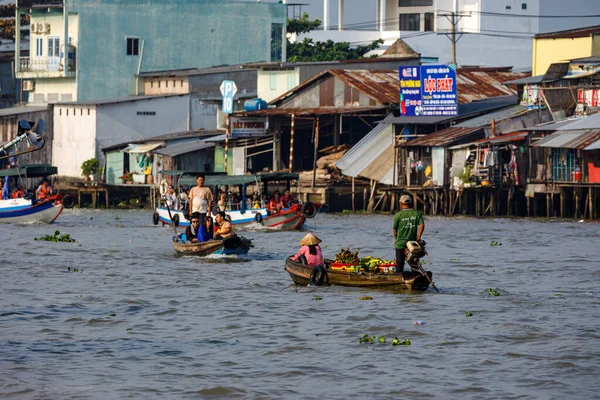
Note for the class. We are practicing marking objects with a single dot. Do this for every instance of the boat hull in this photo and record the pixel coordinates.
(230, 246)
(237, 217)
(23, 212)
(300, 274)
(198, 249)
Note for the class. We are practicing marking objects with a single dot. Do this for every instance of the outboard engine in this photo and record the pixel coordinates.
(414, 252)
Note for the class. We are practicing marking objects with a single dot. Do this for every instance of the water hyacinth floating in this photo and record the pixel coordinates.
(57, 237)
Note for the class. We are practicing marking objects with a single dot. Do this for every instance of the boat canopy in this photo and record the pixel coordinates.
(234, 180)
(30, 171)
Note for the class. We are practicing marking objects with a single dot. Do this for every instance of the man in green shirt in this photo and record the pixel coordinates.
(408, 225)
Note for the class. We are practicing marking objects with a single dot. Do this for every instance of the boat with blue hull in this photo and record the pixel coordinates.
(234, 245)
(292, 218)
(27, 210)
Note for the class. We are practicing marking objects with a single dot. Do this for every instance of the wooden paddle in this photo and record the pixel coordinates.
(171, 217)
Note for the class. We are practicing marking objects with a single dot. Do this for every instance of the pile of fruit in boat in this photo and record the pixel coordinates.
(367, 264)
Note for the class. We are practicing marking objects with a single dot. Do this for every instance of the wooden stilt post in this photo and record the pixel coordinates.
(548, 211)
(529, 207)
(591, 203)
(291, 168)
(353, 204)
(576, 199)
(509, 201)
(562, 204)
(315, 153)
(364, 199)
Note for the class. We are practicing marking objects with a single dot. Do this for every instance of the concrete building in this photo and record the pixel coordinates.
(493, 32)
(112, 41)
(562, 46)
(82, 129)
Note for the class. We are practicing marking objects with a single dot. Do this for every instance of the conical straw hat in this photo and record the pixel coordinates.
(309, 240)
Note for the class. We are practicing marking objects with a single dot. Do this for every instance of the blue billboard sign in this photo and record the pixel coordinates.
(428, 91)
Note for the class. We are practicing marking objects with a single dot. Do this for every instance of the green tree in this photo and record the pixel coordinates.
(308, 50)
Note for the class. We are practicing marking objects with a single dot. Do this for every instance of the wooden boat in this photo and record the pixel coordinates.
(289, 219)
(206, 248)
(242, 249)
(300, 274)
(27, 211)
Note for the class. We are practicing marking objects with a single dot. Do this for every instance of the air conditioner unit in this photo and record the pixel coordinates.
(47, 28)
(40, 27)
(28, 86)
(33, 28)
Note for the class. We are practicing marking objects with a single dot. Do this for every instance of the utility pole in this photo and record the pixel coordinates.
(453, 37)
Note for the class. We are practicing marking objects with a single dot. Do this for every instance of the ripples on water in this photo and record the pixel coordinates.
(138, 322)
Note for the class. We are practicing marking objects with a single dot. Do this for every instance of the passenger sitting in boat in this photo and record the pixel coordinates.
(209, 228)
(255, 201)
(274, 205)
(310, 252)
(195, 233)
(286, 199)
(172, 199)
(222, 204)
(18, 193)
(44, 191)
(225, 228)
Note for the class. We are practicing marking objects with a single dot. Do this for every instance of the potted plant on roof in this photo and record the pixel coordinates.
(91, 169)
(127, 177)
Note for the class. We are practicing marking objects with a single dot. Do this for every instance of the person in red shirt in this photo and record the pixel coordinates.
(274, 205)
(286, 199)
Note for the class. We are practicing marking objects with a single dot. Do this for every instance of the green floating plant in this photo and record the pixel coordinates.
(57, 237)
(494, 243)
(469, 314)
(493, 292)
(397, 342)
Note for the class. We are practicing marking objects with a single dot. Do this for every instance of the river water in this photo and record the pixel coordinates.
(118, 315)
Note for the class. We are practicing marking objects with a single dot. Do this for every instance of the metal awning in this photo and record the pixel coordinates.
(373, 156)
(176, 149)
(30, 171)
(582, 140)
(234, 180)
(143, 148)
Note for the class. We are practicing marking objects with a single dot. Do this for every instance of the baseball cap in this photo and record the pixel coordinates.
(405, 199)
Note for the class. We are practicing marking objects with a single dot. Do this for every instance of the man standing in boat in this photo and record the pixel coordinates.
(408, 226)
(201, 198)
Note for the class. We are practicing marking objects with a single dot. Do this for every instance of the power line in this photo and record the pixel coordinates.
(497, 14)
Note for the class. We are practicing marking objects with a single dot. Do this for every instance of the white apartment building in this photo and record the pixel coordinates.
(494, 32)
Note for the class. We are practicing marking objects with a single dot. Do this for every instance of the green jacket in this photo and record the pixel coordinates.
(406, 223)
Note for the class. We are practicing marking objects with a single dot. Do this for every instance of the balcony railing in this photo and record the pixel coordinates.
(45, 64)
(39, 3)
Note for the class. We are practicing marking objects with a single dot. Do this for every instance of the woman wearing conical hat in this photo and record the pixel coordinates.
(310, 252)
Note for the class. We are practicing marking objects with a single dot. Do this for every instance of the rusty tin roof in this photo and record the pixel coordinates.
(442, 138)
(383, 86)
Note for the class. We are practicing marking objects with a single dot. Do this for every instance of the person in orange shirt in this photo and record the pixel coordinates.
(44, 191)
(18, 194)
(274, 205)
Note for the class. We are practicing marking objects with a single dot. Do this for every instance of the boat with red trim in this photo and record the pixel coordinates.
(28, 210)
(290, 218)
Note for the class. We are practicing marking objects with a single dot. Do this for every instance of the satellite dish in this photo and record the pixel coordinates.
(24, 124)
(40, 127)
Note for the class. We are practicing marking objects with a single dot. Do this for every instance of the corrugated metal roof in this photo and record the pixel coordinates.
(498, 115)
(5, 112)
(144, 148)
(176, 149)
(570, 139)
(476, 85)
(369, 157)
(524, 81)
(442, 138)
(509, 137)
(550, 126)
(311, 111)
(589, 122)
(383, 86)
